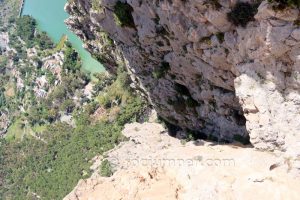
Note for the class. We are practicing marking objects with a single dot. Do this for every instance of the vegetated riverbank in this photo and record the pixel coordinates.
(21, 7)
(50, 16)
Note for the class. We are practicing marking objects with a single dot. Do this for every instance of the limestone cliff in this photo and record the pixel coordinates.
(199, 70)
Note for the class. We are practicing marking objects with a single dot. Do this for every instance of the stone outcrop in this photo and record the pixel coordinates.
(4, 123)
(152, 165)
(198, 70)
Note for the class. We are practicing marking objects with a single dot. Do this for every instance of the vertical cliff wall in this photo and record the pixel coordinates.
(201, 71)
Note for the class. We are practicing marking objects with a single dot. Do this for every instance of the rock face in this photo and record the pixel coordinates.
(4, 123)
(197, 69)
(152, 165)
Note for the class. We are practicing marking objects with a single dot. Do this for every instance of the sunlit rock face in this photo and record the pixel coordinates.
(151, 162)
(200, 71)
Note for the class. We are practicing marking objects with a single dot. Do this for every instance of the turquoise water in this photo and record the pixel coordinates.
(50, 16)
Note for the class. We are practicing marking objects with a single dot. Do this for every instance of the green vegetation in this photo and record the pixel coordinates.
(242, 13)
(123, 16)
(52, 169)
(61, 43)
(206, 40)
(106, 39)
(160, 71)
(72, 60)
(220, 37)
(26, 27)
(17, 130)
(51, 166)
(245, 140)
(26, 30)
(42, 156)
(3, 61)
(106, 169)
(104, 80)
(96, 5)
(100, 58)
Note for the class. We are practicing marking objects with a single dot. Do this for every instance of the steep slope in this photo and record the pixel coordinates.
(222, 79)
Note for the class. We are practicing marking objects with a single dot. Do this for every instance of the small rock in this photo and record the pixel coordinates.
(296, 34)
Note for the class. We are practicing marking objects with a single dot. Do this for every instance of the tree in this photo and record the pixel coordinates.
(67, 106)
(34, 115)
(72, 61)
(26, 28)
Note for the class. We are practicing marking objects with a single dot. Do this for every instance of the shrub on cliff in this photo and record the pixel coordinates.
(242, 13)
(123, 16)
(106, 169)
(160, 71)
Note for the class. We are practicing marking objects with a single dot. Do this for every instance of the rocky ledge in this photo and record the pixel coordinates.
(200, 67)
(152, 165)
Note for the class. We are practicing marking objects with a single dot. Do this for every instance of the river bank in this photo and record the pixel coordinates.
(53, 24)
(21, 7)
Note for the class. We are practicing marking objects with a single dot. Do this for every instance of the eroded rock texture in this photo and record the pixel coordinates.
(154, 166)
(197, 69)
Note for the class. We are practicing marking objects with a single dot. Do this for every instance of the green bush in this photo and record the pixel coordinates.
(106, 169)
(26, 30)
(220, 37)
(72, 60)
(242, 13)
(123, 16)
(26, 27)
(67, 106)
(160, 71)
(245, 140)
